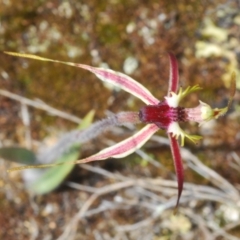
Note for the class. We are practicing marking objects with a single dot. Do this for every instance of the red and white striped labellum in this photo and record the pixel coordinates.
(165, 115)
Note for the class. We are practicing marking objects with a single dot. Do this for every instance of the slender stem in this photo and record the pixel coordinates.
(82, 136)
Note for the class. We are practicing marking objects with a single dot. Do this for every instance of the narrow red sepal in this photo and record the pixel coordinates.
(174, 76)
(177, 164)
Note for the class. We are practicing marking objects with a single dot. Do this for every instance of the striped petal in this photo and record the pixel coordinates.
(177, 164)
(173, 77)
(125, 147)
(116, 78)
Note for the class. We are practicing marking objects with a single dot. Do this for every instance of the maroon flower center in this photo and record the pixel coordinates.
(162, 114)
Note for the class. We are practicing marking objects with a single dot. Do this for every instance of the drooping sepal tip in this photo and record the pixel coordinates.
(232, 88)
(209, 113)
(178, 165)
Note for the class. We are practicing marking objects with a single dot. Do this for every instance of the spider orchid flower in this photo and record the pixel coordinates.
(156, 114)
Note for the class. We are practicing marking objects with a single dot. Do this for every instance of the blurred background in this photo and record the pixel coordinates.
(134, 197)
